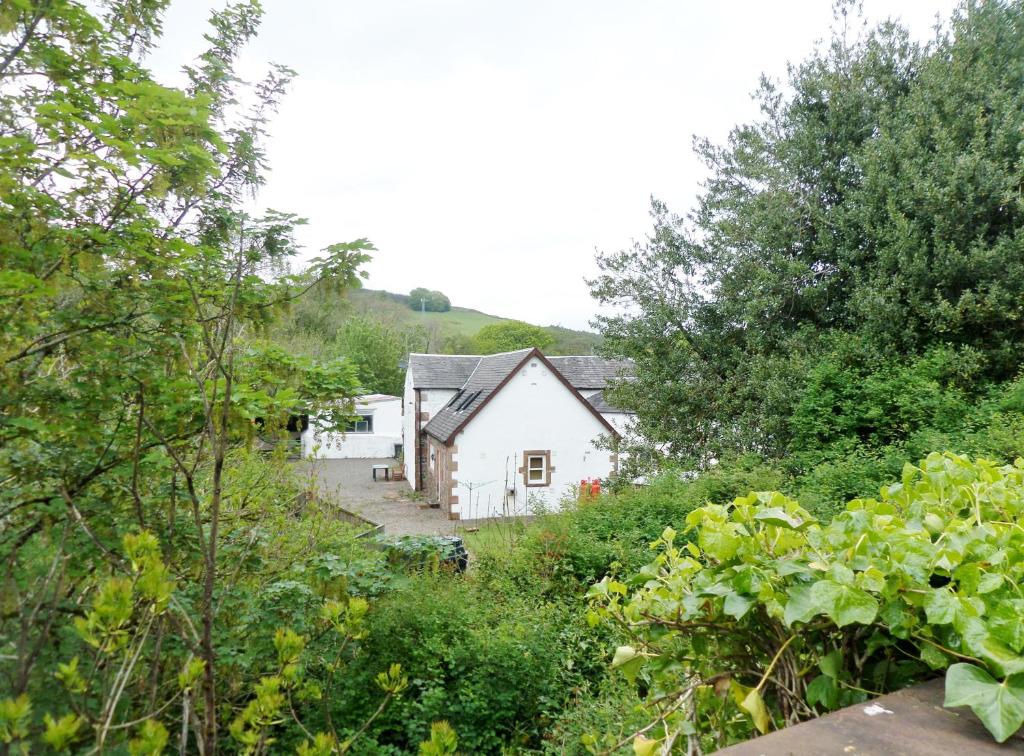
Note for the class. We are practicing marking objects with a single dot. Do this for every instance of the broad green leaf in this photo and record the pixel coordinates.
(844, 604)
(831, 663)
(823, 690)
(628, 661)
(780, 518)
(1006, 621)
(999, 705)
(719, 541)
(990, 581)
(941, 607)
(933, 657)
(801, 606)
(736, 605)
(978, 639)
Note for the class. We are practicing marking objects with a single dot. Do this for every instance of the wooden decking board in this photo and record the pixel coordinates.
(918, 725)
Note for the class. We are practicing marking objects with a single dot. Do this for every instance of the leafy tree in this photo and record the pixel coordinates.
(133, 290)
(510, 335)
(570, 342)
(870, 213)
(377, 350)
(431, 301)
(459, 343)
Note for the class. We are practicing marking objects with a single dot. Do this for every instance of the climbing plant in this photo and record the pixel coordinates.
(757, 615)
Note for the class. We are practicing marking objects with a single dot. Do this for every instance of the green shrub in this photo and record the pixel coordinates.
(498, 667)
(561, 554)
(611, 706)
(773, 617)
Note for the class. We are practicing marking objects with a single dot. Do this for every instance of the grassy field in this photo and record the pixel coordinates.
(463, 321)
(385, 304)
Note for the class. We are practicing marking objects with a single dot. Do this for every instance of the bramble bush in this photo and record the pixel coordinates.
(768, 617)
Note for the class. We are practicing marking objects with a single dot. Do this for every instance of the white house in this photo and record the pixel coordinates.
(376, 433)
(507, 433)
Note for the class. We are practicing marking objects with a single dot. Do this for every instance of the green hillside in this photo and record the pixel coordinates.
(396, 306)
(458, 322)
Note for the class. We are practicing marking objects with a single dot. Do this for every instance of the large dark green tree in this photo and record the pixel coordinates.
(870, 218)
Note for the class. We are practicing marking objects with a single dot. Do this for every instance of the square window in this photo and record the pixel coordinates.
(537, 468)
(364, 424)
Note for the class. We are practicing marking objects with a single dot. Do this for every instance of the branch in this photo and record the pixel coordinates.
(29, 31)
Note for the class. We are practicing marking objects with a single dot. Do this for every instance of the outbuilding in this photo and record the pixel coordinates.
(375, 433)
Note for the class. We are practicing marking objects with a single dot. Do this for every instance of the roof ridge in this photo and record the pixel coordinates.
(471, 374)
(477, 366)
(440, 354)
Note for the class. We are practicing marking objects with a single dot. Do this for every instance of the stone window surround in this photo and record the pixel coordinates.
(548, 469)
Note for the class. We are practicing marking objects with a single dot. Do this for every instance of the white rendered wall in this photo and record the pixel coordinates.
(620, 421)
(431, 401)
(409, 429)
(534, 411)
(387, 431)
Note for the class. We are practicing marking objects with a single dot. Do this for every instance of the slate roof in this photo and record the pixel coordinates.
(451, 371)
(441, 371)
(598, 402)
(486, 379)
(591, 372)
(374, 398)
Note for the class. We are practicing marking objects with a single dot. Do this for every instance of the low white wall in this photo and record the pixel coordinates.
(352, 446)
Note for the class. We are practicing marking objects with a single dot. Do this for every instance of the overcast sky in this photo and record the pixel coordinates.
(489, 148)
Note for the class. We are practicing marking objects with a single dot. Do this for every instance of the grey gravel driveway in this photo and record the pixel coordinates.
(350, 483)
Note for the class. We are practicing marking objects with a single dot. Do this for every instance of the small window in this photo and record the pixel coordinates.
(363, 425)
(537, 468)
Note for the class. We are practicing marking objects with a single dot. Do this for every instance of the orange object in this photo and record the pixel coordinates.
(583, 489)
(595, 489)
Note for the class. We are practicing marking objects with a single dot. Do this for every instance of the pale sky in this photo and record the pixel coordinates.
(489, 148)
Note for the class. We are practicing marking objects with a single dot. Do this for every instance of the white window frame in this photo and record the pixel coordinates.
(365, 419)
(545, 469)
